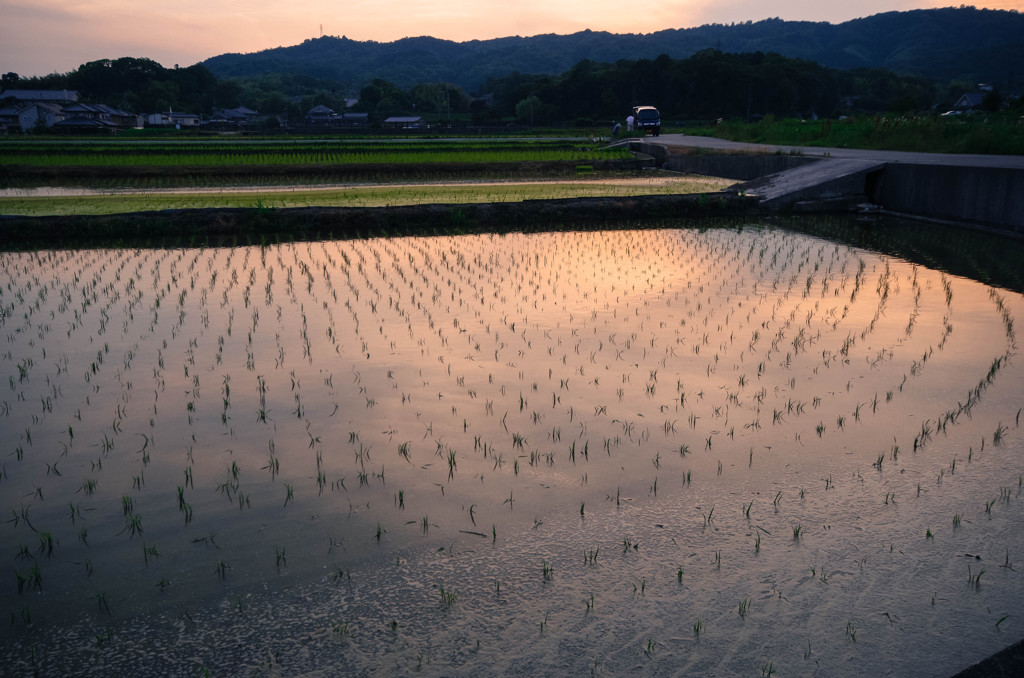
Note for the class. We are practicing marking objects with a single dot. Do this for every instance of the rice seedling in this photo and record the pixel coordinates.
(709, 517)
(448, 598)
(974, 579)
(744, 608)
(132, 525)
(102, 602)
(46, 544)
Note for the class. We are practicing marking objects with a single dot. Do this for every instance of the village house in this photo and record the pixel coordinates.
(405, 122)
(239, 117)
(969, 102)
(321, 116)
(355, 119)
(27, 109)
(172, 119)
(325, 116)
(98, 116)
(28, 116)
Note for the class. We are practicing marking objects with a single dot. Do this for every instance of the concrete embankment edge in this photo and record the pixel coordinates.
(1008, 663)
(203, 225)
(988, 198)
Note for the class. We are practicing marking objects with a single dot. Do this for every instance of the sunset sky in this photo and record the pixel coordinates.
(38, 37)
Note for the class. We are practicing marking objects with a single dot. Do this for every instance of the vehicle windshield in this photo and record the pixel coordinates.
(647, 114)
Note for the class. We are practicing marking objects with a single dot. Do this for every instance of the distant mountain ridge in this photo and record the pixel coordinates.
(974, 45)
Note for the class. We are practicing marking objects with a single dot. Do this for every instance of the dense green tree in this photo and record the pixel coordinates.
(533, 111)
(144, 85)
(992, 101)
(439, 100)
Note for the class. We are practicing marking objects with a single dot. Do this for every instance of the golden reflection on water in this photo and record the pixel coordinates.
(370, 404)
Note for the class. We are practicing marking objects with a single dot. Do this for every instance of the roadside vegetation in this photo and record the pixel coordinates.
(994, 133)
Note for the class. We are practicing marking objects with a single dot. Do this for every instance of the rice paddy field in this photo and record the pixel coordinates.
(46, 201)
(198, 164)
(673, 451)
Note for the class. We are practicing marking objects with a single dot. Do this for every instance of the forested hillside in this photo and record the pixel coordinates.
(974, 45)
(920, 61)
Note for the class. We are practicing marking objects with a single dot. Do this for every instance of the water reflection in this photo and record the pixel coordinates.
(302, 444)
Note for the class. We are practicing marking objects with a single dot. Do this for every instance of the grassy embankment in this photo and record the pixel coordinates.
(998, 134)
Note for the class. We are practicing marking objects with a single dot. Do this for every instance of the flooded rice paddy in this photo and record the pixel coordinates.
(655, 452)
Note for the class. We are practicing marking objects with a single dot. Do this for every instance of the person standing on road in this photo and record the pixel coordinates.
(629, 122)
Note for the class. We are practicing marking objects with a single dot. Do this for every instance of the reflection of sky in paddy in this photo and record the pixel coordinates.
(454, 411)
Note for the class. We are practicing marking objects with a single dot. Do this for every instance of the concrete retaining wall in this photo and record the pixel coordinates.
(990, 197)
(739, 167)
(730, 166)
(983, 195)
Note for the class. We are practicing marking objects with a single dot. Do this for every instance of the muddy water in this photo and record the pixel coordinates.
(671, 451)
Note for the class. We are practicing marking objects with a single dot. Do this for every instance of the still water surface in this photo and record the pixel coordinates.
(692, 451)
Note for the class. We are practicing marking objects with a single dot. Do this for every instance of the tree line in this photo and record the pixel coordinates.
(707, 85)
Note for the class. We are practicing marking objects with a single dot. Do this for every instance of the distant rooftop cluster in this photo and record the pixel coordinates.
(24, 110)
